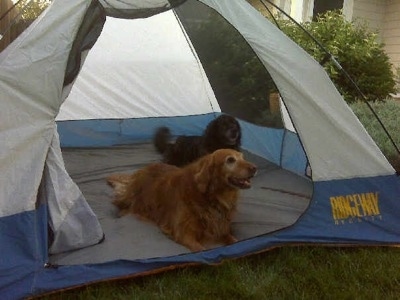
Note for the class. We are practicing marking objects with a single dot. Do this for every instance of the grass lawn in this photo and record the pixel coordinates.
(301, 272)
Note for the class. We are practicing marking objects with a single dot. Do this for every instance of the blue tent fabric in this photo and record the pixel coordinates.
(28, 274)
(24, 239)
(356, 211)
(108, 132)
(263, 141)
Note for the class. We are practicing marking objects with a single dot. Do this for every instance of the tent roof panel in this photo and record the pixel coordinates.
(140, 68)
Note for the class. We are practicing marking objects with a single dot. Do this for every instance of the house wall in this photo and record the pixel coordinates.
(382, 16)
(370, 11)
(391, 31)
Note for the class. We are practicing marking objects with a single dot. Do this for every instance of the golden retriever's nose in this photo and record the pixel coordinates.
(252, 170)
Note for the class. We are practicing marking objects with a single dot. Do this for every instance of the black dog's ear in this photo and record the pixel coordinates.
(203, 176)
(212, 128)
(213, 132)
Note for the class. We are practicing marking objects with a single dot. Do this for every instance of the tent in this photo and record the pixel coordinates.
(84, 87)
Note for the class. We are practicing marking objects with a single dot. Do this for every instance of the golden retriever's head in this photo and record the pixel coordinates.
(224, 168)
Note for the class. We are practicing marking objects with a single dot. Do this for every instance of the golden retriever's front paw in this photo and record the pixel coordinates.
(230, 239)
(194, 246)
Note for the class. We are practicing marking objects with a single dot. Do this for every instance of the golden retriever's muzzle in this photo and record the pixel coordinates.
(241, 172)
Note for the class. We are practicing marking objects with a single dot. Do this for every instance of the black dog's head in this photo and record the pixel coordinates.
(223, 132)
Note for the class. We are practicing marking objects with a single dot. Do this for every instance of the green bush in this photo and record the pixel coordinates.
(355, 48)
(388, 112)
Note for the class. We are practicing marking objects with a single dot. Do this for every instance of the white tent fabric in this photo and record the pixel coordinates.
(29, 109)
(73, 223)
(140, 68)
(315, 106)
(31, 81)
(287, 122)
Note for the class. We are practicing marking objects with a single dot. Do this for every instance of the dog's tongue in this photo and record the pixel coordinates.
(246, 183)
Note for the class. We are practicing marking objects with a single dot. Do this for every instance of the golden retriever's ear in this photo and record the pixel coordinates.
(203, 175)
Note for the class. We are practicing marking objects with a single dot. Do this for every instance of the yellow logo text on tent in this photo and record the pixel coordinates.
(355, 208)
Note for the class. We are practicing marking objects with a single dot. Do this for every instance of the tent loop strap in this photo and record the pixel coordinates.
(336, 63)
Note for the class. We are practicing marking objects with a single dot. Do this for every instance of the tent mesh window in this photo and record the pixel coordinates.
(242, 85)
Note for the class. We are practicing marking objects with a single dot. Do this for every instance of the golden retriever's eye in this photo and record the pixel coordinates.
(230, 160)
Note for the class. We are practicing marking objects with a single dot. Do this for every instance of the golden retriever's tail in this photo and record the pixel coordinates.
(119, 182)
(161, 139)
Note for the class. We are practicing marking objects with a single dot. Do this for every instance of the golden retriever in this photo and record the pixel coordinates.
(194, 205)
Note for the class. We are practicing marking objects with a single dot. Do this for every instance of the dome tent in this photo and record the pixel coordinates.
(52, 225)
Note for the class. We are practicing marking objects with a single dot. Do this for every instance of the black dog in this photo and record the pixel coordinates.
(223, 132)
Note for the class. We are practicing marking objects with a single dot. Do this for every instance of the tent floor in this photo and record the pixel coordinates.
(276, 200)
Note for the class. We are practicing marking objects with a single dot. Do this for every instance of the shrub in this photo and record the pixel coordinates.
(355, 48)
(388, 112)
